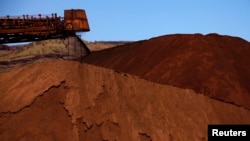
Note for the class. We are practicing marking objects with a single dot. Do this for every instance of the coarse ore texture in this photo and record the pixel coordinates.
(214, 65)
(67, 100)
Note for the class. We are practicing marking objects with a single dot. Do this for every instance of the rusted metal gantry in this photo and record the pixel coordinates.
(31, 28)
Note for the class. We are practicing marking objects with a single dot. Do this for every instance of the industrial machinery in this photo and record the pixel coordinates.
(32, 28)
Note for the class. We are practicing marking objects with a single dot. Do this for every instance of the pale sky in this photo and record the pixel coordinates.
(143, 19)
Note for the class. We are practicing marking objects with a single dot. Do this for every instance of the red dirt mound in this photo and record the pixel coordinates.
(214, 65)
(61, 100)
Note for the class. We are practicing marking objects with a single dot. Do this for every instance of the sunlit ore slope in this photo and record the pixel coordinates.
(214, 65)
(69, 101)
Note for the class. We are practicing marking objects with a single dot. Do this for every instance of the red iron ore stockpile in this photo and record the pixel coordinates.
(214, 65)
(67, 100)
